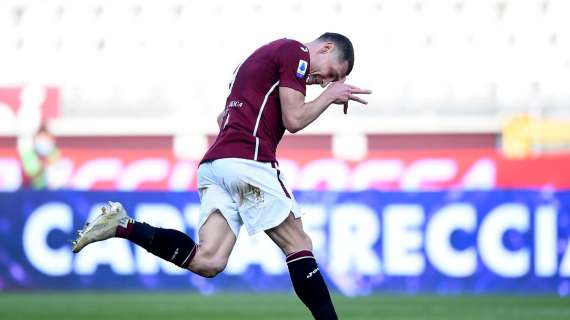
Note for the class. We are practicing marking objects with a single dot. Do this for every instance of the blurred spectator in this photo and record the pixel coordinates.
(38, 155)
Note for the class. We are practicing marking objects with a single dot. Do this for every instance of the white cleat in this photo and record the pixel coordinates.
(103, 227)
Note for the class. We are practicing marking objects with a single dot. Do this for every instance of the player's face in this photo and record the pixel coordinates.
(326, 69)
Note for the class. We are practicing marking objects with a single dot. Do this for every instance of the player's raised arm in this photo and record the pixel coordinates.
(297, 114)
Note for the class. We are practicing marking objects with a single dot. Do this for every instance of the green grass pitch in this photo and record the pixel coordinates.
(171, 306)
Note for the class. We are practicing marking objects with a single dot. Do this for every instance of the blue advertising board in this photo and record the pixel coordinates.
(511, 241)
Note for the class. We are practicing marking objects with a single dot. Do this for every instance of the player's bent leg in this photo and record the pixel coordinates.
(168, 244)
(305, 275)
(216, 243)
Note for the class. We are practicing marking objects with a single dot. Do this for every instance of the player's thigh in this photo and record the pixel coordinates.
(290, 236)
(219, 220)
(216, 237)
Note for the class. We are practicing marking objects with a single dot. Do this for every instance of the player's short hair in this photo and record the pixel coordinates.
(343, 44)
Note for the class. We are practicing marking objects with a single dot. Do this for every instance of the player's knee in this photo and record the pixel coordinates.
(213, 267)
(208, 262)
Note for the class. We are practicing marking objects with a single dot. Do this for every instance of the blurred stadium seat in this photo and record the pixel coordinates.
(434, 65)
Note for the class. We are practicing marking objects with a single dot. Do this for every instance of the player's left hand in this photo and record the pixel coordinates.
(341, 93)
(355, 90)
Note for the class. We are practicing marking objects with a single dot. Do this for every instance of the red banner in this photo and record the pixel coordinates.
(305, 169)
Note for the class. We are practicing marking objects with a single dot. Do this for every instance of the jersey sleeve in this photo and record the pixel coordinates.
(293, 60)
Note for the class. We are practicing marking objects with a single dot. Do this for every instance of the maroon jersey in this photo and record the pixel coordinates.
(252, 126)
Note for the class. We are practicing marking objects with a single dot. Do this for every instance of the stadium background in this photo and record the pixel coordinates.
(451, 182)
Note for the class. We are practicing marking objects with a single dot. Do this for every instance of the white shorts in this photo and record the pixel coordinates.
(246, 192)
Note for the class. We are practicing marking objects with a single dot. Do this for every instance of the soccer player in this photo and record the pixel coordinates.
(239, 181)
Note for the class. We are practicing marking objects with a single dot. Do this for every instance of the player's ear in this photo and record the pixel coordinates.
(326, 47)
